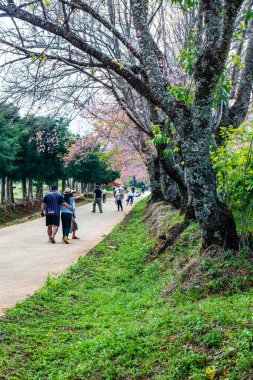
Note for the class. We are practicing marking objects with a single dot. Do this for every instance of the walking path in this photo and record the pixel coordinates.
(26, 257)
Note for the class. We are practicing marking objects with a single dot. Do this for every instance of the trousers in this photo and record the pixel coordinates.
(98, 202)
(66, 219)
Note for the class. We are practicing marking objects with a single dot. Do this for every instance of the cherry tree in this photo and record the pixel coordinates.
(128, 147)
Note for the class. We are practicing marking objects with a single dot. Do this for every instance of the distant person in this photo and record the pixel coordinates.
(74, 226)
(97, 199)
(104, 194)
(51, 204)
(130, 197)
(143, 189)
(133, 189)
(119, 196)
(67, 215)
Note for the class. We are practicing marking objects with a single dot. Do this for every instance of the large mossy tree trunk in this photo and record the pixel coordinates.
(170, 190)
(155, 180)
(215, 219)
(175, 173)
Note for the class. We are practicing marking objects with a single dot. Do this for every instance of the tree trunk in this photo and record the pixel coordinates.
(9, 191)
(170, 190)
(30, 189)
(155, 180)
(63, 185)
(24, 189)
(3, 190)
(215, 219)
(39, 190)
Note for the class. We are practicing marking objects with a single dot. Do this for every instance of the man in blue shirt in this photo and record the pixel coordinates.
(51, 203)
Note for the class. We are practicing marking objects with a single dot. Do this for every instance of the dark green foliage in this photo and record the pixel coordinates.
(91, 169)
(36, 147)
(233, 165)
(10, 129)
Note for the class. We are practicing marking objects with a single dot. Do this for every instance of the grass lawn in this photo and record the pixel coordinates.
(105, 319)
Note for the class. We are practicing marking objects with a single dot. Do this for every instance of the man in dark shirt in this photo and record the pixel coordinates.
(51, 203)
(97, 199)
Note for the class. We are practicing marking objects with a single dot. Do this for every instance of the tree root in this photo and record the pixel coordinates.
(174, 232)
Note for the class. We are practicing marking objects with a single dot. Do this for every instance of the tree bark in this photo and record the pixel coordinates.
(24, 189)
(155, 180)
(39, 191)
(30, 189)
(3, 190)
(63, 185)
(215, 219)
(176, 173)
(9, 191)
(170, 190)
(82, 187)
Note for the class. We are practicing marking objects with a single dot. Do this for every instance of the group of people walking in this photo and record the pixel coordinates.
(55, 206)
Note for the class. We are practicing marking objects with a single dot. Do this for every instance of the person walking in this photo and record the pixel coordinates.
(119, 196)
(130, 197)
(67, 215)
(74, 226)
(50, 206)
(104, 194)
(97, 199)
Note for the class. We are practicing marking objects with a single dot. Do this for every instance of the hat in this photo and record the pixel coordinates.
(67, 191)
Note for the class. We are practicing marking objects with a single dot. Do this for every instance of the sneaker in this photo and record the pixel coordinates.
(101, 212)
(65, 240)
(75, 237)
(51, 239)
(93, 211)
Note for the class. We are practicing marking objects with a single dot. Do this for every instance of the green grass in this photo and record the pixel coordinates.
(105, 319)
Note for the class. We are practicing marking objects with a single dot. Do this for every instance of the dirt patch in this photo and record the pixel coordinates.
(214, 271)
(18, 212)
(204, 272)
(159, 217)
(173, 234)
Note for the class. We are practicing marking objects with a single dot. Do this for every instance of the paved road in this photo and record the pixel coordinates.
(26, 257)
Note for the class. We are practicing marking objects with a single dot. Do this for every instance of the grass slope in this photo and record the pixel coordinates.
(105, 319)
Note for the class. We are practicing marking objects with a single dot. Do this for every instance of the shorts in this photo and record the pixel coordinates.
(52, 220)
